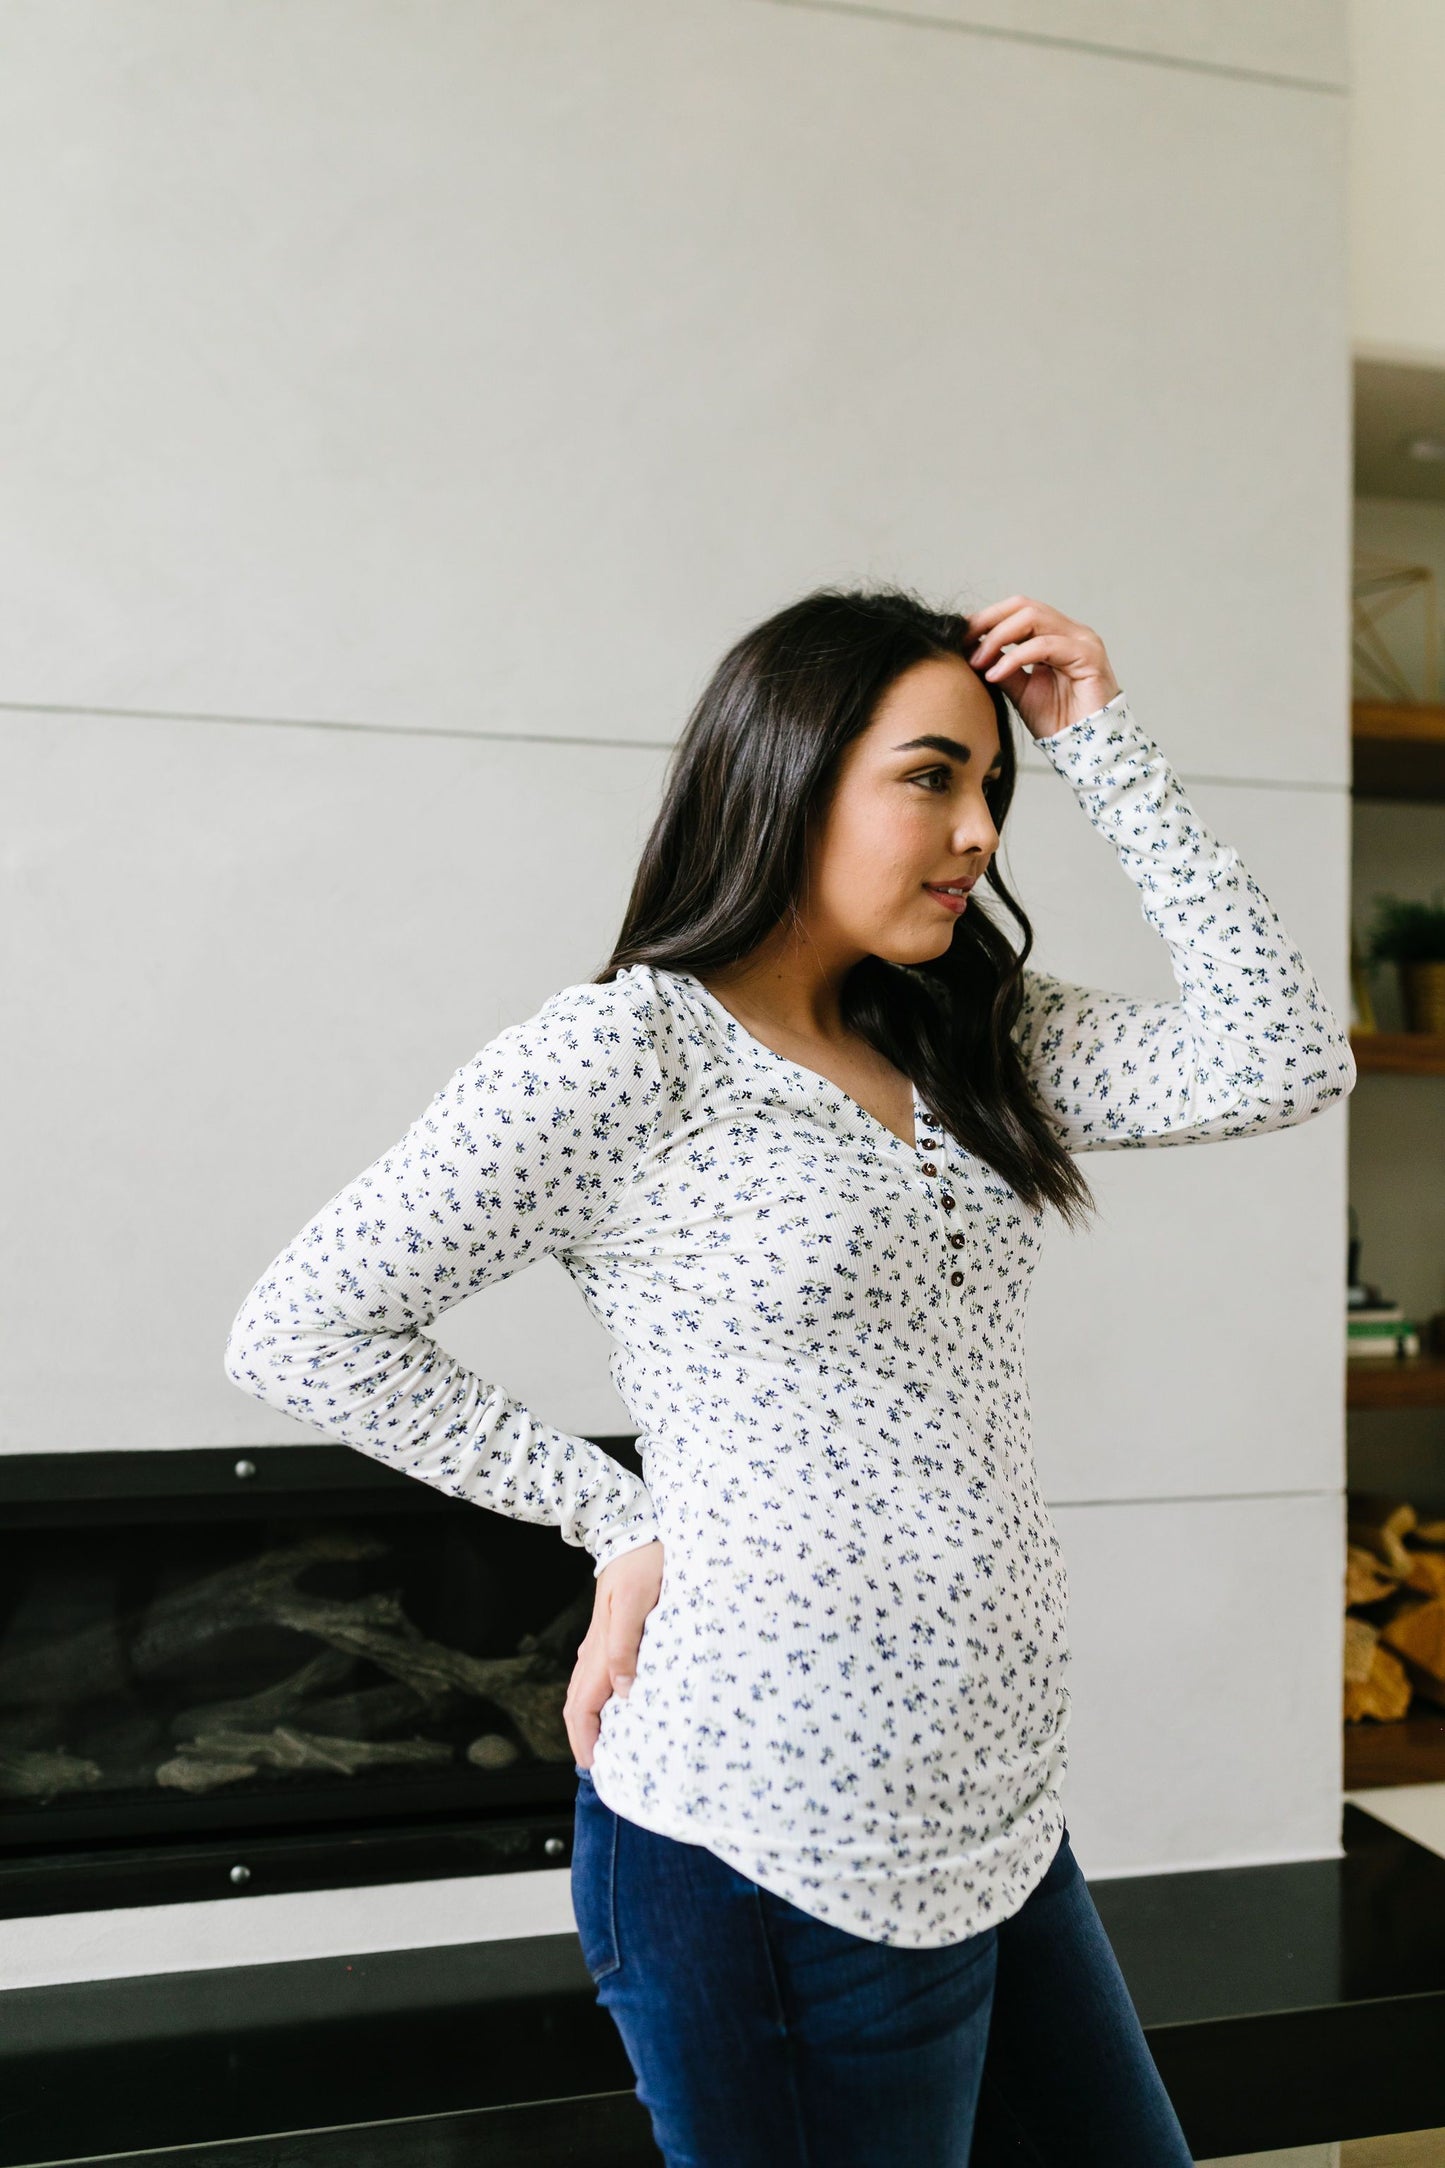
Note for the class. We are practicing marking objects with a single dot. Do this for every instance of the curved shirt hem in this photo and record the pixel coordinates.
(752, 1861)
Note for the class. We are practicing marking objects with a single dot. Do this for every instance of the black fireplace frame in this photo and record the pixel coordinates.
(107, 1488)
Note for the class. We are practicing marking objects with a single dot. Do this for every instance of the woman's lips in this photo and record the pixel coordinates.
(950, 903)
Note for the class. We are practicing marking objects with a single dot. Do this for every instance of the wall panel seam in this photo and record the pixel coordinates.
(1028, 764)
(913, 20)
(1200, 1498)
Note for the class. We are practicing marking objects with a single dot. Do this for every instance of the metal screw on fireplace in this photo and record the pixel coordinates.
(240, 1874)
(243, 1468)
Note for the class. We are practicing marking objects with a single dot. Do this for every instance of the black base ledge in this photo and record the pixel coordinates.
(1287, 2005)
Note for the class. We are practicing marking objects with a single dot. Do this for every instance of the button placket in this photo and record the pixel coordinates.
(947, 1201)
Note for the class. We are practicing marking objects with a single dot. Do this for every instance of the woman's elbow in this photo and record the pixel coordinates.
(245, 1356)
(1335, 1070)
(1314, 1082)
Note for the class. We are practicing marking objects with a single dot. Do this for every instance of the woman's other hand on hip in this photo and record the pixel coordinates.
(607, 1658)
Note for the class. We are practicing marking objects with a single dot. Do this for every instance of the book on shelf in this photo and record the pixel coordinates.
(1388, 1340)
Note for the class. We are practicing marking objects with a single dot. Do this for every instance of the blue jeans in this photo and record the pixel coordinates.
(761, 2037)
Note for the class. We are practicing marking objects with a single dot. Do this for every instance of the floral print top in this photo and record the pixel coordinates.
(854, 1685)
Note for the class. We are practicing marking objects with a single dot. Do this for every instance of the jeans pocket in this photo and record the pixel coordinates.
(594, 1879)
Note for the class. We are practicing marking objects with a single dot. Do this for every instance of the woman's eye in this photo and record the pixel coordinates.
(941, 779)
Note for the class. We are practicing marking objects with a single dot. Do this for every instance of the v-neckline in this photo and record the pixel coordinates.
(801, 1068)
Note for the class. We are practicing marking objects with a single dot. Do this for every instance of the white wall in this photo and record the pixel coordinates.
(401, 407)
(1397, 178)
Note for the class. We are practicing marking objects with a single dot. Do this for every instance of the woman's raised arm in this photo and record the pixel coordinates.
(1250, 1045)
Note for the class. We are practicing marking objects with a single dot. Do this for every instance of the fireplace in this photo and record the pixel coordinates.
(226, 1673)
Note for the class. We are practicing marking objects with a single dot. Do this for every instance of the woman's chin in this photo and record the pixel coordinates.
(918, 948)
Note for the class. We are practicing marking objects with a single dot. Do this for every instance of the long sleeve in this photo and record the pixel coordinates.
(524, 1152)
(1251, 1044)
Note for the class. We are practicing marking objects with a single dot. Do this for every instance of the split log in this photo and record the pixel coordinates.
(38, 1775)
(1378, 1523)
(101, 1659)
(1428, 1688)
(527, 1689)
(1395, 1560)
(365, 1713)
(250, 1711)
(372, 1711)
(189, 1773)
(220, 1739)
(1427, 1572)
(1385, 1693)
(1361, 1639)
(288, 1748)
(1419, 1633)
(1367, 1579)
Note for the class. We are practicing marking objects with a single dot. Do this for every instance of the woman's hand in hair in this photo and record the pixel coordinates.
(627, 1589)
(1070, 674)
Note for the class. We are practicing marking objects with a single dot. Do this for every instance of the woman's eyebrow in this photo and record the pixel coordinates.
(948, 746)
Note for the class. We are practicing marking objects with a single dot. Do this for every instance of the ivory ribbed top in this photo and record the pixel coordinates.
(854, 1685)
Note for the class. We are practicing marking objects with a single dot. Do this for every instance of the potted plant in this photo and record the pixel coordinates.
(1411, 935)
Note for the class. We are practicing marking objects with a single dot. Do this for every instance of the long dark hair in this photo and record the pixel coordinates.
(725, 861)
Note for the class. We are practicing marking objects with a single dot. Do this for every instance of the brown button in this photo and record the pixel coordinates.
(956, 1238)
(946, 1201)
(927, 1144)
(930, 1170)
(956, 1279)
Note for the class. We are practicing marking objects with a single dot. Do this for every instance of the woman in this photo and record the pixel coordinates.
(796, 1143)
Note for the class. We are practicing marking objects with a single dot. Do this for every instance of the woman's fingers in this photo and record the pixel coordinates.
(626, 1617)
(1027, 651)
(1055, 669)
(1015, 625)
(607, 1659)
(589, 1688)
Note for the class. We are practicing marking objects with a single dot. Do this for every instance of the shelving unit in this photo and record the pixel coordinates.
(1398, 753)
(1410, 1752)
(1399, 1053)
(1409, 1381)
(1399, 750)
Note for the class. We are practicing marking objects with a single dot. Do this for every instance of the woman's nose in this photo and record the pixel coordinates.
(976, 832)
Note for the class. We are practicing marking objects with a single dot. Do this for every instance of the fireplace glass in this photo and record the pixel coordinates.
(282, 1667)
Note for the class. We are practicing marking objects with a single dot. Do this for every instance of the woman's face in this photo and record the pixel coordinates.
(906, 818)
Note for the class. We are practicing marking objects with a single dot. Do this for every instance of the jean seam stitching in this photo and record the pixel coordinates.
(789, 2044)
(614, 1946)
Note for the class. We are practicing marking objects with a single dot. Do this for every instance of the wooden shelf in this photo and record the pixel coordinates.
(1401, 1381)
(1409, 1752)
(1398, 750)
(1399, 1053)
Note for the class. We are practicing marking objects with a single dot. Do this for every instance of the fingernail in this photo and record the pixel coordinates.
(622, 1686)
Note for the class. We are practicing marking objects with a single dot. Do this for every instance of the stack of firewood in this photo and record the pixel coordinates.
(1394, 1609)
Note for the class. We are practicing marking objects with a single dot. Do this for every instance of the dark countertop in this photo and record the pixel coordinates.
(1285, 2005)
